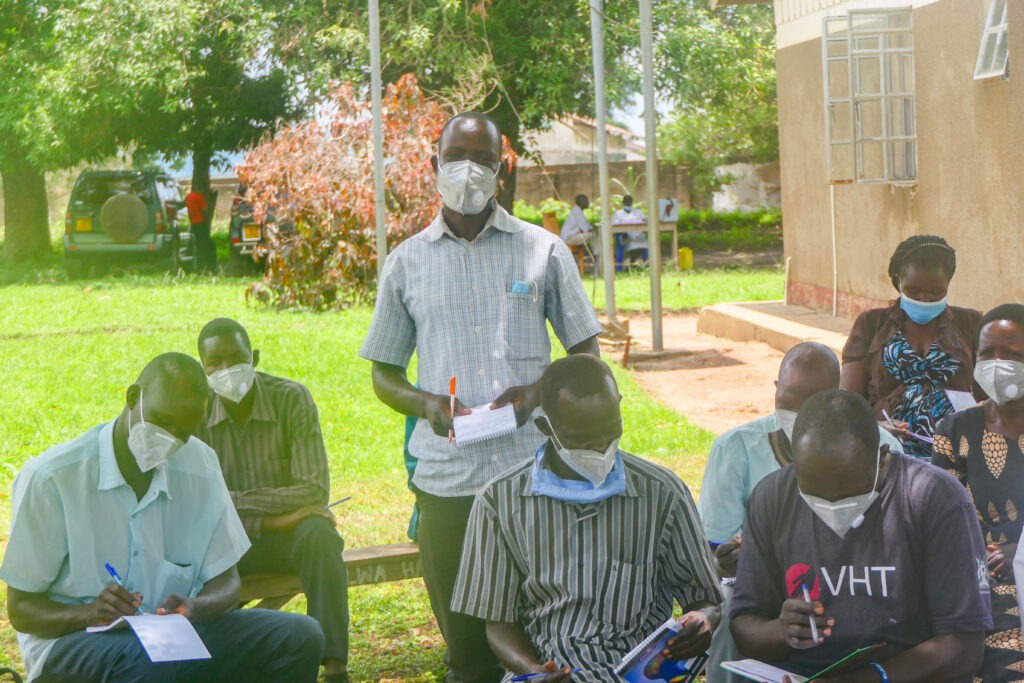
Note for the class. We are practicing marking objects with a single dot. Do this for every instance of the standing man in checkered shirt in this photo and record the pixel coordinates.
(471, 295)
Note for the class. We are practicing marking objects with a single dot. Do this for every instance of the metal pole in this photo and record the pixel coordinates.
(651, 152)
(378, 137)
(607, 249)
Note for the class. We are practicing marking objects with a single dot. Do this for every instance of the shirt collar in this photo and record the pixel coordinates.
(110, 476)
(262, 408)
(630, 492)
(499, 219)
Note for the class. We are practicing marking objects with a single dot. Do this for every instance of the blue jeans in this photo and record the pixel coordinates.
(252, 645)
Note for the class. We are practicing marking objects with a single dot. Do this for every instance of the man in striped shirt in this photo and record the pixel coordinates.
(266, 432)
(576, 555)
(471, 295)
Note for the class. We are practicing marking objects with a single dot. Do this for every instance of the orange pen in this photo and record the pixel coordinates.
(451, 394)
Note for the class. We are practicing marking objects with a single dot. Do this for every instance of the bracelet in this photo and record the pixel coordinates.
(881, 672)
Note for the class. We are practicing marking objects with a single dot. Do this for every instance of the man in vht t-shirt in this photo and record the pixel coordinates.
(886, 548)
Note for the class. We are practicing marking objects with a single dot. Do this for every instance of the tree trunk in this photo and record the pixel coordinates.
(507, 120)
(26, 213)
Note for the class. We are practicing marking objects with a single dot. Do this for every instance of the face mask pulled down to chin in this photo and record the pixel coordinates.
(593, 466)
(786, 420)
(150, 444)
(847, 513)
(466, 186)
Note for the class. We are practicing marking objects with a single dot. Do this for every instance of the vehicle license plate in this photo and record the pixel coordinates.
(250, 232)
(83, 225)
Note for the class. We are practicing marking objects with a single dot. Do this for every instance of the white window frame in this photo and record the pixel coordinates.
(997, 35)
(870, 122)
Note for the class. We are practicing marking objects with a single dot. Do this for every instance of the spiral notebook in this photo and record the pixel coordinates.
(647, 662)
(483, 424)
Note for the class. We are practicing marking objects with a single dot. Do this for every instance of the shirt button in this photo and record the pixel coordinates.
(480, 372)
(477, 329)
(135, 554)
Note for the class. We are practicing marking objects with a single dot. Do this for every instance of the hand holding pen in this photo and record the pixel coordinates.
(551, 674)
(803, 620)
(114, 601)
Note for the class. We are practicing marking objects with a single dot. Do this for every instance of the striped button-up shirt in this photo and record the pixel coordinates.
(476, 311)
(276, 461)
(586, 582)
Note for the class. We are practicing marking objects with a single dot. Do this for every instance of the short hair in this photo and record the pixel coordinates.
(627, 200)
(580, 198)
(1011, 312)
(475, 116)
(832, 415)
(928, 252)
(173, 368)
(812, 356)
(218, 327)
(581, 374)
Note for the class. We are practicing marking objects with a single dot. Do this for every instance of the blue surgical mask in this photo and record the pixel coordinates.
(547, 483)
(922, 312)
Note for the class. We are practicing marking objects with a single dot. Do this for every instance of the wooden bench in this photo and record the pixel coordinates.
(376, 564)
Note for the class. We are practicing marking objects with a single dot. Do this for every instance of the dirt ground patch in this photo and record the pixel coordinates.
(718, 384)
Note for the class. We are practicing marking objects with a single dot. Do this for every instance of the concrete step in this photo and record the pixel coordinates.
(774, 323)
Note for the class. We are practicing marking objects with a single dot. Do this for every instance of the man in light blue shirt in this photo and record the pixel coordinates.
(742, 457)
(144, 496)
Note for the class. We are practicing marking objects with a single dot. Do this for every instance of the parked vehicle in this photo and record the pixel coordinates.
(126, 217)
(245, 233)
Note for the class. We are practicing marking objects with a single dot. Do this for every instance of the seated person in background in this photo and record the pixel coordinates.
(577, 230)
(981, 447)
(887, 547)
(635, 245)
(902, 358)
(266, 432)
(576, 555)
(140, 494)
(744, 456)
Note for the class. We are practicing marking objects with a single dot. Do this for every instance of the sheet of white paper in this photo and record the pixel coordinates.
(484, 423)
(118, 623)
(961, 399)
(759, 671)
(165, 637)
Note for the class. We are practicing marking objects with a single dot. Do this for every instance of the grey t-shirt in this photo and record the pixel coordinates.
(915, 568)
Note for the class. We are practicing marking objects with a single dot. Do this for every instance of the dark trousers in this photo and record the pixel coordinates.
(252, 645)
(205, 249)
(311, 551)
(442, 526)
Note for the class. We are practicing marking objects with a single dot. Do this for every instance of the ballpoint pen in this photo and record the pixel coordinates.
(117, 579)
(536, 676)
(814, 626)
(339, 502)
(451, 407)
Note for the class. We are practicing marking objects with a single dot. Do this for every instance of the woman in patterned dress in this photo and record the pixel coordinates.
(983, 447)
(903, 357)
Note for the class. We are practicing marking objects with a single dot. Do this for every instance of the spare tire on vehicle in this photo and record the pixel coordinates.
(124, 218)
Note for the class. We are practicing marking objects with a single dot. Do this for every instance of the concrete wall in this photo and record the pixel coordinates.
(534, 184)
(970, 159)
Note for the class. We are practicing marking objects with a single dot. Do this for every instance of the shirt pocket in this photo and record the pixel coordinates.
(626, 590)
(174, 579)
(525, 331)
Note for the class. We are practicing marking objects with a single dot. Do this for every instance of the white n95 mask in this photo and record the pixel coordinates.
(1002, 380)
(233, 383)
(466, 186)
(786, 420)
(848, 513)
(594, 466)
(150, 444)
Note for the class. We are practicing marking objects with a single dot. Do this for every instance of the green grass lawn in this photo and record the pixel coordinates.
(690, 289)
(68, 350)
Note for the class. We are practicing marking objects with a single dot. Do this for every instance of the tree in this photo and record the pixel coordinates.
(316, 178)
(718, 71)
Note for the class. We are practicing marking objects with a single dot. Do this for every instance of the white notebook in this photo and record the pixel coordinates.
(483, 424)
(165, 637)
(759, 671)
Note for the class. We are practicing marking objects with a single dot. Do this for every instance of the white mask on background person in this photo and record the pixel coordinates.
(1002, 380)
(150, 444)
(233, 383)
(847, 513)
(466, 186)
(786, 420)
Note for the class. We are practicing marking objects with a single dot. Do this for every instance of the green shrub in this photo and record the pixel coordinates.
(527, 212)
(734, 231)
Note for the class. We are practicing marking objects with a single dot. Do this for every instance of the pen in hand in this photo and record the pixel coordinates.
(117, 579)
(451, 408)
(814, 625)
(536, 676)
(339, 501)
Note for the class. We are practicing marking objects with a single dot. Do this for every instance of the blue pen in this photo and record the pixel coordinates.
(533, 677)
(117, 578)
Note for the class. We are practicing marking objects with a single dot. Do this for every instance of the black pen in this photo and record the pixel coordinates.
(339, 502)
